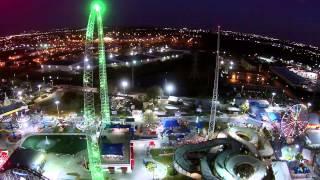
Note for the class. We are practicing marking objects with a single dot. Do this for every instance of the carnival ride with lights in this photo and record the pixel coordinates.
(225, 158)
(21, 173)
(294, 121)
(214, 101)
(241, 150)
(92, 122)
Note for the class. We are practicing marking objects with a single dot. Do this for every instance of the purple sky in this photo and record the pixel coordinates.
(297, 20)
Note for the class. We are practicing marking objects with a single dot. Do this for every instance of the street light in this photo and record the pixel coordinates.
(19, 93)
(273, 94)
(309, 104)
(57, 104)
(169, 88)
(39, 87)
(124, 85)
(134, 62)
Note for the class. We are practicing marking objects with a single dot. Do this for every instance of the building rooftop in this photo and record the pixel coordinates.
(118, 140)
(313, 138)
(11, 108)
(290, 77)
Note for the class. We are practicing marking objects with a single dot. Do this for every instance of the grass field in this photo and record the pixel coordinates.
(164, 159)
(167, 159)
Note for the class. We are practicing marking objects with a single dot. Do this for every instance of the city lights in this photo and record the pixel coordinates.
(125, 101)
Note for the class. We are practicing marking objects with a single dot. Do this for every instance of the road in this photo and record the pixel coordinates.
(139, 172)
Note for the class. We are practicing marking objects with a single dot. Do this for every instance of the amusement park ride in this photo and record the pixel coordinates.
(294, 121)
(214, 101)
(93, 129)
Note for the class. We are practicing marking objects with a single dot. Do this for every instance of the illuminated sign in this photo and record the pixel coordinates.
(313, 126)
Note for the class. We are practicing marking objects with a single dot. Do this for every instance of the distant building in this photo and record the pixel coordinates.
(304, 73)
(289, 77)
(66, 66)
(249, 66)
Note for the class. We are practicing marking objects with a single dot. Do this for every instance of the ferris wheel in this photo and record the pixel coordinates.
(294, 121)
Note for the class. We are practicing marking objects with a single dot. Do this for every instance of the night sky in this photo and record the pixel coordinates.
(297, 20)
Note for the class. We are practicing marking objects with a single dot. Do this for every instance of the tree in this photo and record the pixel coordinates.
(149, 116)
(266, 133)
(299, 157)
(151, 166)
(172, 171)
(154, 92)
(244, 107)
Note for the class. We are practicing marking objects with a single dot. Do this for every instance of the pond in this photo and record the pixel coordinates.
(60, 144)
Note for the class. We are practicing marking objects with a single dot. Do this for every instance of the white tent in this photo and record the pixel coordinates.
(281, 170)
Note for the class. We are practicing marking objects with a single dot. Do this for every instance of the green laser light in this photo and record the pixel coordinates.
(97, 7)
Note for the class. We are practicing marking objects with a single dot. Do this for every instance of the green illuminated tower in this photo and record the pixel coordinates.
(93, 125)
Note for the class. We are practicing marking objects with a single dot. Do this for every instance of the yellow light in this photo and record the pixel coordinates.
(233, 76)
